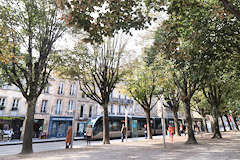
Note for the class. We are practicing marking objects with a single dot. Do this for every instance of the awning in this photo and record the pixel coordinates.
(10, 118)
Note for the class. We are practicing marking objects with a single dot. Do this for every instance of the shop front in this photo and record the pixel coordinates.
(58, 126)
(38, 127)
(12, 122)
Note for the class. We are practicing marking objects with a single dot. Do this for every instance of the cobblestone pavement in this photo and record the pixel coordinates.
(222, 149)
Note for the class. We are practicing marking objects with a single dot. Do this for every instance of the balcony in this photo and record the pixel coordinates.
(2, 108)
(122, 101)
(83, 117)
(58, 112)
(70, 112)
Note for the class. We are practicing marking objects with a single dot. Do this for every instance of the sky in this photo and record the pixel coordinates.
(135, 43)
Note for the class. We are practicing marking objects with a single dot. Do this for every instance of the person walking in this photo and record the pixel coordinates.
(89, 134)
(145, 131)
(171, 132)
(10, 134)
(69, 137)
(123, 132)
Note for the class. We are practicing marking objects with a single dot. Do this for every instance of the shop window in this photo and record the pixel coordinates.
(72, 87)
(59, 106)
(60, 88)
(15, 104)
(44, 106)
(2, 103)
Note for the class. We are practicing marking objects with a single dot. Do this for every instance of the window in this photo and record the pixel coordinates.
(111, 109)
(71, 93)
(5, 86)
(60, 88)
(119, 109)
(83, 95)
(96, 109)
(44, 106)
(59, 106)
(111, 95)
(131, 109)
(90, 111)
(46, 89)
(81, 111)
(70, 105)
(15, 104)
(2, 103)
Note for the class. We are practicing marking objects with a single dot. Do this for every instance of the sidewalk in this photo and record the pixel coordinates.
(141, 149)
(36, 140)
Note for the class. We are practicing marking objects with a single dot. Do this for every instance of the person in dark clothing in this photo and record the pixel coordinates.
(123, 132)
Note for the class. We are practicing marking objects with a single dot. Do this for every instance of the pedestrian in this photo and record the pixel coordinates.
(123, 132)
(171, 132)
(145, 131)
(89, 134)
(1, 134)
(69, 137)
(181, 129)
(10, 134)
(196, 128)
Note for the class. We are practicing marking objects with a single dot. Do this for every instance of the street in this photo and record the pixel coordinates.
(226, 148)
(49, 146)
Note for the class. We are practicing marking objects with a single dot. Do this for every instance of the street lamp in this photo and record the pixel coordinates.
(74, 112)
(126, 120)
(164, 129)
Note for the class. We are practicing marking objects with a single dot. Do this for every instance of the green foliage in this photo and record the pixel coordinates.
(31, 29)
(143, 84)
(99, 18)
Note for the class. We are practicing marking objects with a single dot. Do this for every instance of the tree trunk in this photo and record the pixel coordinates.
(175, 116)
(228, 122)
(235, 122)
(205, 125)
(149, 134)
(216, 131)
(224, 128)
(28, 127)
(191, 138)
(106, 137)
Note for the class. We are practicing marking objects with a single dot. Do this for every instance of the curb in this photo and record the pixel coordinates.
(40, 141)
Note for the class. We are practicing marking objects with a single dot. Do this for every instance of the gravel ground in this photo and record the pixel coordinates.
(227, 148)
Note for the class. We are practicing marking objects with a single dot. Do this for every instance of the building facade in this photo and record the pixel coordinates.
(60, 105)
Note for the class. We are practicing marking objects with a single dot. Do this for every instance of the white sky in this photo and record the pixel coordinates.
(135, 43)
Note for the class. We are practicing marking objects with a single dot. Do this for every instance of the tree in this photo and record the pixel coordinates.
(36, 28)
(105, 18)
(232, 6)
(211, 33)
(98, 70)
(142, 83)
(182, 66)
(173, 103)
(200, 105)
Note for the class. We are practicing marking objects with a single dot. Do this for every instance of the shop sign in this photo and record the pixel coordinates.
(61, 119)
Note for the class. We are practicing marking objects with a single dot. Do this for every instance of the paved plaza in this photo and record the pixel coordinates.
(223, 149)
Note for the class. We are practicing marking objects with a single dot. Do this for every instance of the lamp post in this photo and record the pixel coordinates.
(126, 120)
(164, 129)
(74, 112)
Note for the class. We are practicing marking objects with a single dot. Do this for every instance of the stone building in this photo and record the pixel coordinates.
(56, 108)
